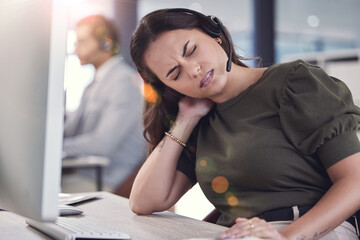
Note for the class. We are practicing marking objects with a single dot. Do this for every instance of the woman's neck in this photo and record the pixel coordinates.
(239, 79)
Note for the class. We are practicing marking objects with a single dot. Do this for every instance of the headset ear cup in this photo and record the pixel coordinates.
(212, 26)
(107, 44)
(105, 47)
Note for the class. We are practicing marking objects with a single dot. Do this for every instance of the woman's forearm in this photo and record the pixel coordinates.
(158, 184)
(337, 205)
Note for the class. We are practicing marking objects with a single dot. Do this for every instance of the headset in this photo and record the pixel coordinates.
(211, 26)
(107, 43)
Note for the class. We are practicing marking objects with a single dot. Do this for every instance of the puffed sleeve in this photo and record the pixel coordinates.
(318, 115)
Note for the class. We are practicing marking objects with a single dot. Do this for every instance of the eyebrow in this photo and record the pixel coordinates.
(185, 48)
(183, 54)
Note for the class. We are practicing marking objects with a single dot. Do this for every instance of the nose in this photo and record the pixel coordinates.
(193, 69)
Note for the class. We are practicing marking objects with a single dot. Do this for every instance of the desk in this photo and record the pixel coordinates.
(115, 212)
(85, 162)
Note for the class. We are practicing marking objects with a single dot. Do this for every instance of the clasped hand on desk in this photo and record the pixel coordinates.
(254, 227)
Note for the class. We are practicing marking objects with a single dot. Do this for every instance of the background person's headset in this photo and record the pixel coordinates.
(212, 26)
(107, 43)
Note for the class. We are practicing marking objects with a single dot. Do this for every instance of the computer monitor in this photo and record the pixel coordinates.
(32, 47)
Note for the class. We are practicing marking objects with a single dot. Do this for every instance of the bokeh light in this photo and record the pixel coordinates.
(313, 21)
(193, 149)
(220, 184)
(169, 121)
(233, 201)
(150, 95)
(203, 163)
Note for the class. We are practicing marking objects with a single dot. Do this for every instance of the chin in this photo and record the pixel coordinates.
(216, 91)
(83, 63)
(218, 86)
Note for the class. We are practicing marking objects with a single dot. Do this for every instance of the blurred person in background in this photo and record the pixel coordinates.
(108, 120)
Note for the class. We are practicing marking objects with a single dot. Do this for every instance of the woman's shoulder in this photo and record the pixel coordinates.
(287, 72)
(288, 66)
(279, 73)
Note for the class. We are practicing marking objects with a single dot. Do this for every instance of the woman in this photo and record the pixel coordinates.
(265, 144)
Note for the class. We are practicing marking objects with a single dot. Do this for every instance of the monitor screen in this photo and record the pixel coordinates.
(33, 47)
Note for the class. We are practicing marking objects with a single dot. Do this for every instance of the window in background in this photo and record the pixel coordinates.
(323, 32)
(316, 26)
(77, 77)
(237, 16)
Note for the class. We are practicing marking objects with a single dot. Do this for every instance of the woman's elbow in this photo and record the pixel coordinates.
(138, 207)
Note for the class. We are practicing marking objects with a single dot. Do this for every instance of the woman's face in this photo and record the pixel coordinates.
(189, 61)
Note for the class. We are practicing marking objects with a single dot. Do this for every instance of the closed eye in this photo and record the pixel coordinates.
(184, 55)
(187, 55)
(177, 75)
(172, 70)
(192, 51)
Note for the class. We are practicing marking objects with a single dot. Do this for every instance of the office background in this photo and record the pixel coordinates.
(325, 32)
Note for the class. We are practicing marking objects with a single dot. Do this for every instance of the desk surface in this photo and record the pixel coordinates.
(114, 211)
(89, 161)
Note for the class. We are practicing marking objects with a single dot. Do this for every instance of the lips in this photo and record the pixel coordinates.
(207, 78)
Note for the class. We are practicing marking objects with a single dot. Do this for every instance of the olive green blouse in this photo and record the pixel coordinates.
(270, 146)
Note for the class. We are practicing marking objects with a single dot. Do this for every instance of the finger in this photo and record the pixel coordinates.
(234, 229)
(243, 227)
(249, 227)
(265, 230)
(239, 233)
(238, 220)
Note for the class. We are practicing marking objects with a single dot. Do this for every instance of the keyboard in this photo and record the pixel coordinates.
(73, 228)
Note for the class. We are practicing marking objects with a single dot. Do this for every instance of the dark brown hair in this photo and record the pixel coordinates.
(159, 115)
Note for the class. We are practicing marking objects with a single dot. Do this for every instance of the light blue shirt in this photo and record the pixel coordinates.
(108, 122)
